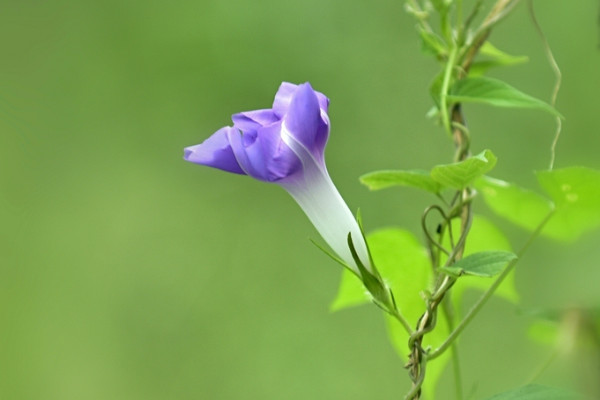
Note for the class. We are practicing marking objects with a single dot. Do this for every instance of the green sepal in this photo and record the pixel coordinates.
(333, 256)
(372, 282)
(364, 237)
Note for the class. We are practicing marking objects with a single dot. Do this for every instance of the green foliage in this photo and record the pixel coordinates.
(496, 93)
(432, 43)
(402, 262)
(483, 264)
(576, 193)
(414, 178)
(536, 392)
(456, 175)
(520, 206)
(461, 174)
(544, 331)
(435, 88)
(404, 265)
(494, 58)
(484, 236)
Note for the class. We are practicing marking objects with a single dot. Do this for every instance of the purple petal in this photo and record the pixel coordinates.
(284, 96)
(305, 122)
(215, 152)
(282, 162)
(252, 120)
(264, 156)
(323, 101)
(240, 144)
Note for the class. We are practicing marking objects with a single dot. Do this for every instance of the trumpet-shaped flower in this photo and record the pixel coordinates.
(285, 145)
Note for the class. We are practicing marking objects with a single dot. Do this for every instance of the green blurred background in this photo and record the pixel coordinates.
(126, 273)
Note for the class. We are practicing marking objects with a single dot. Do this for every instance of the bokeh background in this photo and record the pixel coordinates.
(126, 273)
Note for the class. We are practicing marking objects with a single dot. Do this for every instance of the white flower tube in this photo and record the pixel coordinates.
(318, 197)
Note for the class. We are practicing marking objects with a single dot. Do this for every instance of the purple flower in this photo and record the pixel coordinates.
(285, 145)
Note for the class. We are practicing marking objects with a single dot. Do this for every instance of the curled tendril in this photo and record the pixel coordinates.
(430, 238)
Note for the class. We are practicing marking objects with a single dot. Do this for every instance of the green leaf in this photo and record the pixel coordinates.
(496, 58)
(402, 262)
(544, 331)
(415, 178)
(518, 205)
(435, 89)
(432, 43)
(536, 392)
(461, 174)
(489, 50)
(496, 93)
(576, 193)
(483, 236)
(484, 263)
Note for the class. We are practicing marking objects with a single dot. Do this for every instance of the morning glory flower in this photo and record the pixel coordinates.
(285, 145)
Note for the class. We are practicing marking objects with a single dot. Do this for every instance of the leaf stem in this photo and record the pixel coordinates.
(396, 314)
(444, 91)
(486, 296)
(449, 314)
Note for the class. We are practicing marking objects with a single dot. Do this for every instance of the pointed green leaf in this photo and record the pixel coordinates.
(495, 58)
(333, 256)
(484, 263)
(483, 236)
(536, 392)
(576, 193)
(415, 178)
(435, 88)
(491, 51)
(518, 205)
(496, 93)
(479, 68)
(432, 43)
(461, 174)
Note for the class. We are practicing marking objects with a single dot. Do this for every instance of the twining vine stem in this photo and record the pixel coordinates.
(459, 60)
(486, 296)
